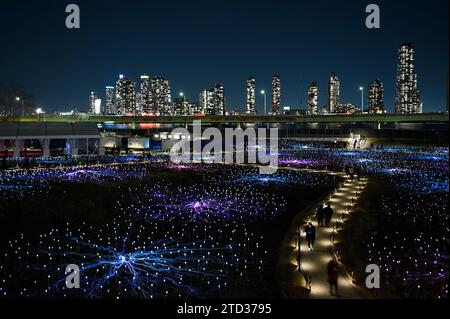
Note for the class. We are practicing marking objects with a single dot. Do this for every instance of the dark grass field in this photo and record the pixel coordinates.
(369, 220)
(94, 204)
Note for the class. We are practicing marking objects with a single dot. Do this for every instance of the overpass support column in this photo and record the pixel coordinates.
(100, 149)
(71, 147)
(45, 144)
(87, 146)
(18, 147)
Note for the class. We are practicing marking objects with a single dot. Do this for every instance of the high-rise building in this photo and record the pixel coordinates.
(162, 100)
(219, 99)
(251, 96)
(212, 101)
(92, 97)
(145, 98)
(334, 92)
(407, 99)
(125, 96)
(346, 108)
(181, 105)
(206, 101)
(98, 106)
(110, 107)
(376, 98)
(195, 108)
(313, 98)
(276, 94)
(139, 103)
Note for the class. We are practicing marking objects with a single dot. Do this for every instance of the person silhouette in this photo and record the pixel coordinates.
(320, 216)
(333, 274)
(310, 235)
(328, 212)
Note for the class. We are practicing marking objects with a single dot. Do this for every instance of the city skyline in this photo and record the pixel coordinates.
(75, 69)
(152, 99)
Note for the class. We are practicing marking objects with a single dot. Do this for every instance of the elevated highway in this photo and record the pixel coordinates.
(242, 119)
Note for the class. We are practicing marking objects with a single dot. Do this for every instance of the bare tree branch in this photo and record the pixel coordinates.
(14, 100)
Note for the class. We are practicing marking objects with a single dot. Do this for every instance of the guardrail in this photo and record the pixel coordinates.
(335, 251)
(226, 119)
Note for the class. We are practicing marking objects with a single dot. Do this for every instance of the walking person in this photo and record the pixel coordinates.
(320, 216)
(333, 274)
(310, 235)
(352, 172)
(347, 171)
(328, 212)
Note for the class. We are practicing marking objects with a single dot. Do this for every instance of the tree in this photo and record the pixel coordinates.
(14, 100)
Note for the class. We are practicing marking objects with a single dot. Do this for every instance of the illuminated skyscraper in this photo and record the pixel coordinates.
(313, 98)
(276, 94)
(145, 99)
(219, 100)
(407, 99)
(162, 100)
(98, 107)
(251, 96)
(110, 108)
(334, 92)
(376, 97)
(206, 101)
(212, 101)
(125, 96)
(92, 97)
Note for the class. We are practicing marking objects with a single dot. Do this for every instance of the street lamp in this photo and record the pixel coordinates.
(263, 92)
(183, 103)
(39, 111)
(19, 100)
(362, 99)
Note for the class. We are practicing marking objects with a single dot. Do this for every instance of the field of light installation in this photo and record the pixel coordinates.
(148, 228)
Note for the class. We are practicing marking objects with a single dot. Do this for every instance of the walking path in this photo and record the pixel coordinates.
(313, 264)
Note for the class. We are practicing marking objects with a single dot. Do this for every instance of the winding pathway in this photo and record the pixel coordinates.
(310, 281)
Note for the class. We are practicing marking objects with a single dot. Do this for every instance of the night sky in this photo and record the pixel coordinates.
(198, 43)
